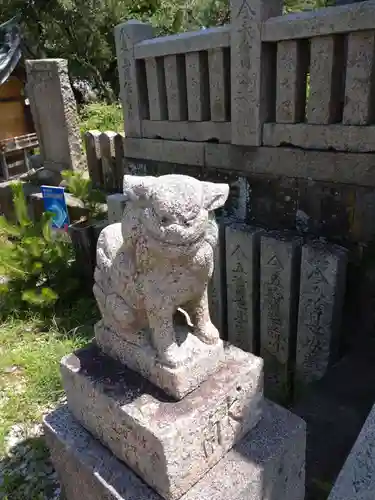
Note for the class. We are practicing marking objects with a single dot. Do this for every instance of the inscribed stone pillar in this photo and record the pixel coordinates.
(323, 273)
(134, 100)
(251, 69)
(280, 263)
(54, 113)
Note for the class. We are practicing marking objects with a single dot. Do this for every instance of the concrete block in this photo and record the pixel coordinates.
(175, 81)
(292, 63)
(171, 445)
(197, 86)
(55, 115)
(120, 163)
(242, 256)
(356, 480)
(358, 108)
(322, 289)
(326, 78)
(279, 273)
(270, 461)
(335, 137)
(127, 35)
(157, 94)
(219, 77)
(116, 205)
(249, 69)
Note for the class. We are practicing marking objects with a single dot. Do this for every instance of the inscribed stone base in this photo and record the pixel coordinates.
(170, 444)
(202, 360)
(269, 463)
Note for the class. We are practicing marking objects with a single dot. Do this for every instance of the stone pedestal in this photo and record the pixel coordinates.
(170, 444)
(269, 463)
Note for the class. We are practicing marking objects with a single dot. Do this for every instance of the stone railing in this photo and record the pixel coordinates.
(266, 79)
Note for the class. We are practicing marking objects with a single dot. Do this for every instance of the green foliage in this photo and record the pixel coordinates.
(81, 187)
(34, 260)
(103, 117)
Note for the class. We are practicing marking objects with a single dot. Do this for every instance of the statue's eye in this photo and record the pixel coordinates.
(164, 220)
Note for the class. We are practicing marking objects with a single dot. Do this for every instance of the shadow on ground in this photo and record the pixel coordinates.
(26, 472)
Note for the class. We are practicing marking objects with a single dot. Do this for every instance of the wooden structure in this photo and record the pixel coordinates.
(17, 135)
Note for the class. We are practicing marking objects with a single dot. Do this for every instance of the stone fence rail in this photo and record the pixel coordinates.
(266, 79)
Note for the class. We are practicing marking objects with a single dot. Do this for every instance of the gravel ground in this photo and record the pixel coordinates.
(26, 472)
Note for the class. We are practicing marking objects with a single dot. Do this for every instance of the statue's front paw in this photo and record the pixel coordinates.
(209, 334)
(173, 356)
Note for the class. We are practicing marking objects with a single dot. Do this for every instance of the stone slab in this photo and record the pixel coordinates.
(171, 445)
(201, 360)
(322, 289)
(330, 166)
(268, 463)
(358, 108)
(279, 271)
(336, 137)
(356, 480)
(329, 21)
(187, 131)
(175, 83)
(182, 43)
(242, 260)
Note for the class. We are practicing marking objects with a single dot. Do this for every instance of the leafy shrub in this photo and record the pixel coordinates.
(81, 187)
(35, 260)
(103, 117)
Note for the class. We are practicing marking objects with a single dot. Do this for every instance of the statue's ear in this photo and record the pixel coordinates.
(214, 195)
(138, 188)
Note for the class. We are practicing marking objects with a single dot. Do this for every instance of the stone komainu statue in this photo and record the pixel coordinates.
(160, 259)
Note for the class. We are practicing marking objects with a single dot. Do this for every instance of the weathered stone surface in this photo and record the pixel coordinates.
(157, 260)
(219, 74)
(326, 78)
(133, 97)
(182, 43)
(116, 206)
(330, 166)
(187, 131)
(356, 480)
(189, 153)
(107, 154)
(93, 157)
(332, 137)
(242, 258)
(320, 22)
(157, 96)
(280, 262)
(360, 71)
(138, 353)
(216, 286)
(250, 69)
(198, 97)
(171, 445)
(175, 82)
(55, 114)
(322, 289)
(292, 61)
(271, 459)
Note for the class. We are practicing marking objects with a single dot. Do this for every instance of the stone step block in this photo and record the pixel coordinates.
(170, 444)
(137, 353)
(268, 463)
